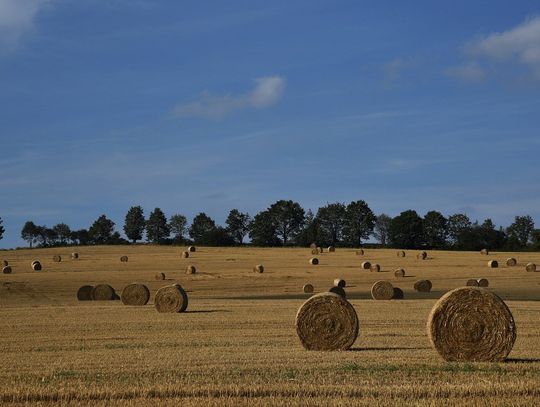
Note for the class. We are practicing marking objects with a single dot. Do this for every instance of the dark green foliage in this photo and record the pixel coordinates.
(202, 224)
(406, 231)
(263, 230)
(435, 229)
(238, 225)
(382, 228)
(101, 231)
(521, 229)
(157, 228)
(2, 229)
(288, 218)
(359, 222)
(310, 233)
(62, 232)
(134, 223)
(331, 219)
(178, 226)
(30, 233)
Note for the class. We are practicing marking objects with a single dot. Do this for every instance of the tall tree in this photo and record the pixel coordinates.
(101, 230)
(202, 224)
(521, 229)
(157, 228)
(406, 230)
(178, 225)
(134, 223)
(382, 228)
(81, 237)
(435, 229)
(2, 230)
(238, 225)
(30, 233)
(288, 218)
(359, 222)
(456, 225)
(311, 232)
(331, 220)
(63, 232)
(263, 230)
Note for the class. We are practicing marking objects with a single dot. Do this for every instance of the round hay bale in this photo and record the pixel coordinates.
(398, 294)
(313, 246)
(172, 298)
(530, 267)
(327, 321)
(314, 251)
(471, 325)
(511, 262)
(366, 265)
(483, 282)
(401, 253)
(103, 292)
(485, 252)
(192, 249)
(493, 264)
(185, 255)
(423, 286)
(159, 276)
(360, 252)
(382, 290)
(75, 256)
(472, 282)
(421, 256)
(339, 291)
(375, 267)
(36, 265)
(314, 261)
(57, 258)
(135, 294)
(320, 249)
(338, 282)
(331, 249)
(191, 269)
(6, 270)
(399, 273)
(259, 268)
(85, 293)
(308, 288)
(5, 262)
(124, 259)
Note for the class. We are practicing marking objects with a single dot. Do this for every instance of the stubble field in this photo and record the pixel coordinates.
(236, 344)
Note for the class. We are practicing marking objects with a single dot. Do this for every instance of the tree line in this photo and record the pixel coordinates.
(286, 223)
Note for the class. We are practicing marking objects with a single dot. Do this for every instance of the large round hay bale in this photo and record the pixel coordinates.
(483, 282)
(57, 258)
(399, 273)
(313, 246)
(339, 291)
(493, 264)
(36, 265)
(135, 294)
(124, 259)
(185, 255)
(471, 325)
(172, 298)
(85, 293)
(401, 253)
(159, 276)
(192, 249)
(314, 251)
(314, 261)
(74, 255)
(511, 262)
(6, 270)
(398, 294)
(331, 249)
(375, 267)
(472, 282)
(103, 292)
(191, 269)
(308, 288)
(327, 321)
(338, 282)
(530, 267)
(366, 265)
(421, 256)
(6, 263)
(360, 252)
(259, 268)
(382, 290)
(423, 286)
(485, 252)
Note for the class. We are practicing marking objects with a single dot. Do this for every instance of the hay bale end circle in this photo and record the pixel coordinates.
(171, 298)
(135, 294)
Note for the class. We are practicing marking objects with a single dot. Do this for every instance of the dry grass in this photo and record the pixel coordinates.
(236, 343)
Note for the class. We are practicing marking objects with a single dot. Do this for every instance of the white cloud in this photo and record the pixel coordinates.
(16, 19)
(468, 72)
(266, 92)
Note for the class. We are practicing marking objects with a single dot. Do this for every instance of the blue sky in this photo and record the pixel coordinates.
(206, 106)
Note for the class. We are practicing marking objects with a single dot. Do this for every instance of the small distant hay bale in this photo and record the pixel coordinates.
(382, 290)
(314, 251)
(339, 291)
(471, 325)
(313, 246)
(6, 263)
(314, 261)
(327, 322)
(511, 262)
(493, 264)
(375, 267)
(360, 252)
(320, 249)
(338, 282)
(530, 267)
(192, 249)
(423, 286)
(6, 270)
(472, 282)
(36, 265)
(483, 282)
(421, 256)
(331, 249)
(308, 288)
(191, 269)
(485, 252)
(185, 255)
(399, 273)
(400, 253)
(398, 294)
(366, 265)
(171, 298)
(57, 258)
(85, 293)
(75, 256)
(135, 294)
(259, 268)
(103, 292)
(160, 276)
(124, 259)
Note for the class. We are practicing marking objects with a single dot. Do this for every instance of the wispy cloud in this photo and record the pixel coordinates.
(266, 92)
(467, 72)
(393, 69)
(16, 19)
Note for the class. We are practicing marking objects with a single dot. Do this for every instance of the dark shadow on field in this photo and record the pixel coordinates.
(522, 360)
(206, 311)
(388, 348)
